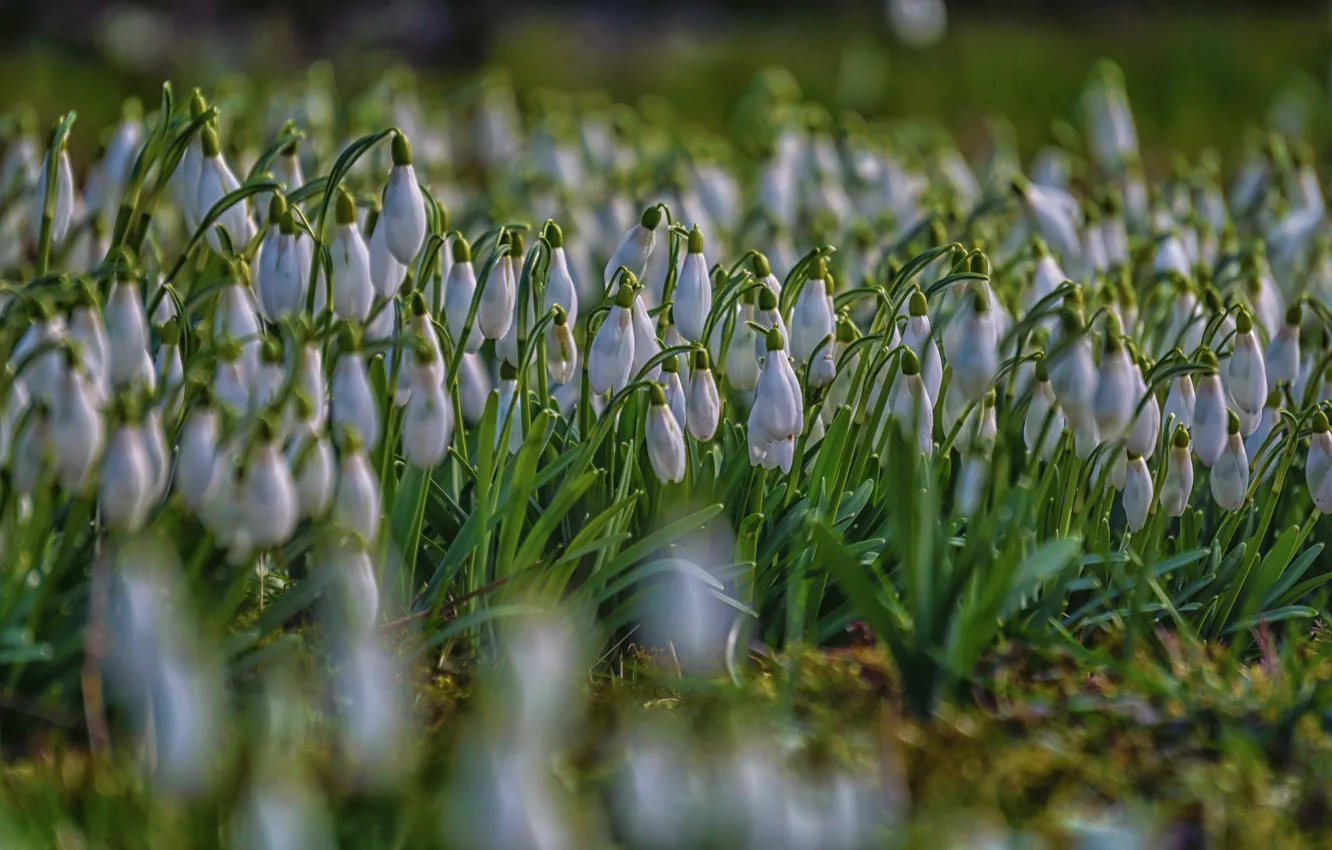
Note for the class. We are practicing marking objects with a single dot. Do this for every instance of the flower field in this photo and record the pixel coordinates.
(546, 473)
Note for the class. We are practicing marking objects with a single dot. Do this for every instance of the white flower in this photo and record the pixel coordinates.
(311, 458)
(1147, 423)
(495, 313)
(1283, 352)
(427, 425)
(665, 439)
(62, 211)
(1072, 372)
(635, 246)
(1043, 406)
(1230, 472)
(646, 345)
(560, 286)
(1115, 385)
(763, 273)
(459, 291)
(86, 328)
(126, 331)
(506, 414)
(971, 482)
(75, 430)
(196, 454)
(693, 291)
(1209, 414)
(474, 388)
(126, 479)
(812, 317)
(1318, 462)
(403, 217)
(703, 407)
(1180, 401)
(356, 500)
(386, 272)
(352, 404)
(777, 416)
(266, 380)
(283, 270)
(913, 408)
(675, 392)
(353, 290)
(40, 372)
(269, 492)
(1171, 257)
(971, 346)
(1248, 374)
(215, 182)
(1055, 215)
(611, 356)
(919, 337)
(1137, 492)
(1178, 483)
(561, 350)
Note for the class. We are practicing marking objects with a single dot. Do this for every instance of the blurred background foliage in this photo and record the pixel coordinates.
(1198, 74)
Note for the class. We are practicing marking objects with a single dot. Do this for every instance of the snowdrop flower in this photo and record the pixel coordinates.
(1180, 399)
(560, 287)
(1072, 372)
(1146, 426)
(352, 402)
(674, 390)
(126, 331)
(1043, 407)
(196, 453)
(403, 217)
(740, 360)
(703, 407)
(215, 182)
(1319, 462)
(971, 481)
(1178, 483)
(1170, 256)
(646, 345)
(353, 289)
(230, 386)
(459, 292)
(1283, 352)
(356, 499)
(86, 328)
(561, 350)
(1047, 276)
(823, 369)
(1185, 329)
(1230, 472)
(1256, 445)
(75, 428)
(913, 408)
(1054, 214)
(635, 246)
(386, 272)
(1137, 492)
(506, 415)
(1248, 373)
(356, 592)
(495, 312)
(474, 388)
(693, 291)
(269, 494)
(665, 438)
(1209, 413)
(427, 425)
(311, 459)
(62, 210)
(126, 480)
(971, 345)
(266, 381)
(612, 354)
(1113, 402)
(777, 416)
(812, 318)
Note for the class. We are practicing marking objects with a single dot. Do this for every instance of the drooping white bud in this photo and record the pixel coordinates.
(1115, 385)
(646, 344)
(635, 246)
(269, 492)
(1043, 407)
(693, 291)
(560, 287)
(1230, 472)
(1209, 415)
(971, 346)
(611, 357)
(665, 439)
(311, 459)
(125, 480)
(703, 407)
(913, 408)
(1248, 373)
(1137, 492)
(356, 499)
(459, 291)
(353, 290)
(812, 318)
(403, 217)
(126, 331)
(215, 182)
(427, 426)
(75, 431)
